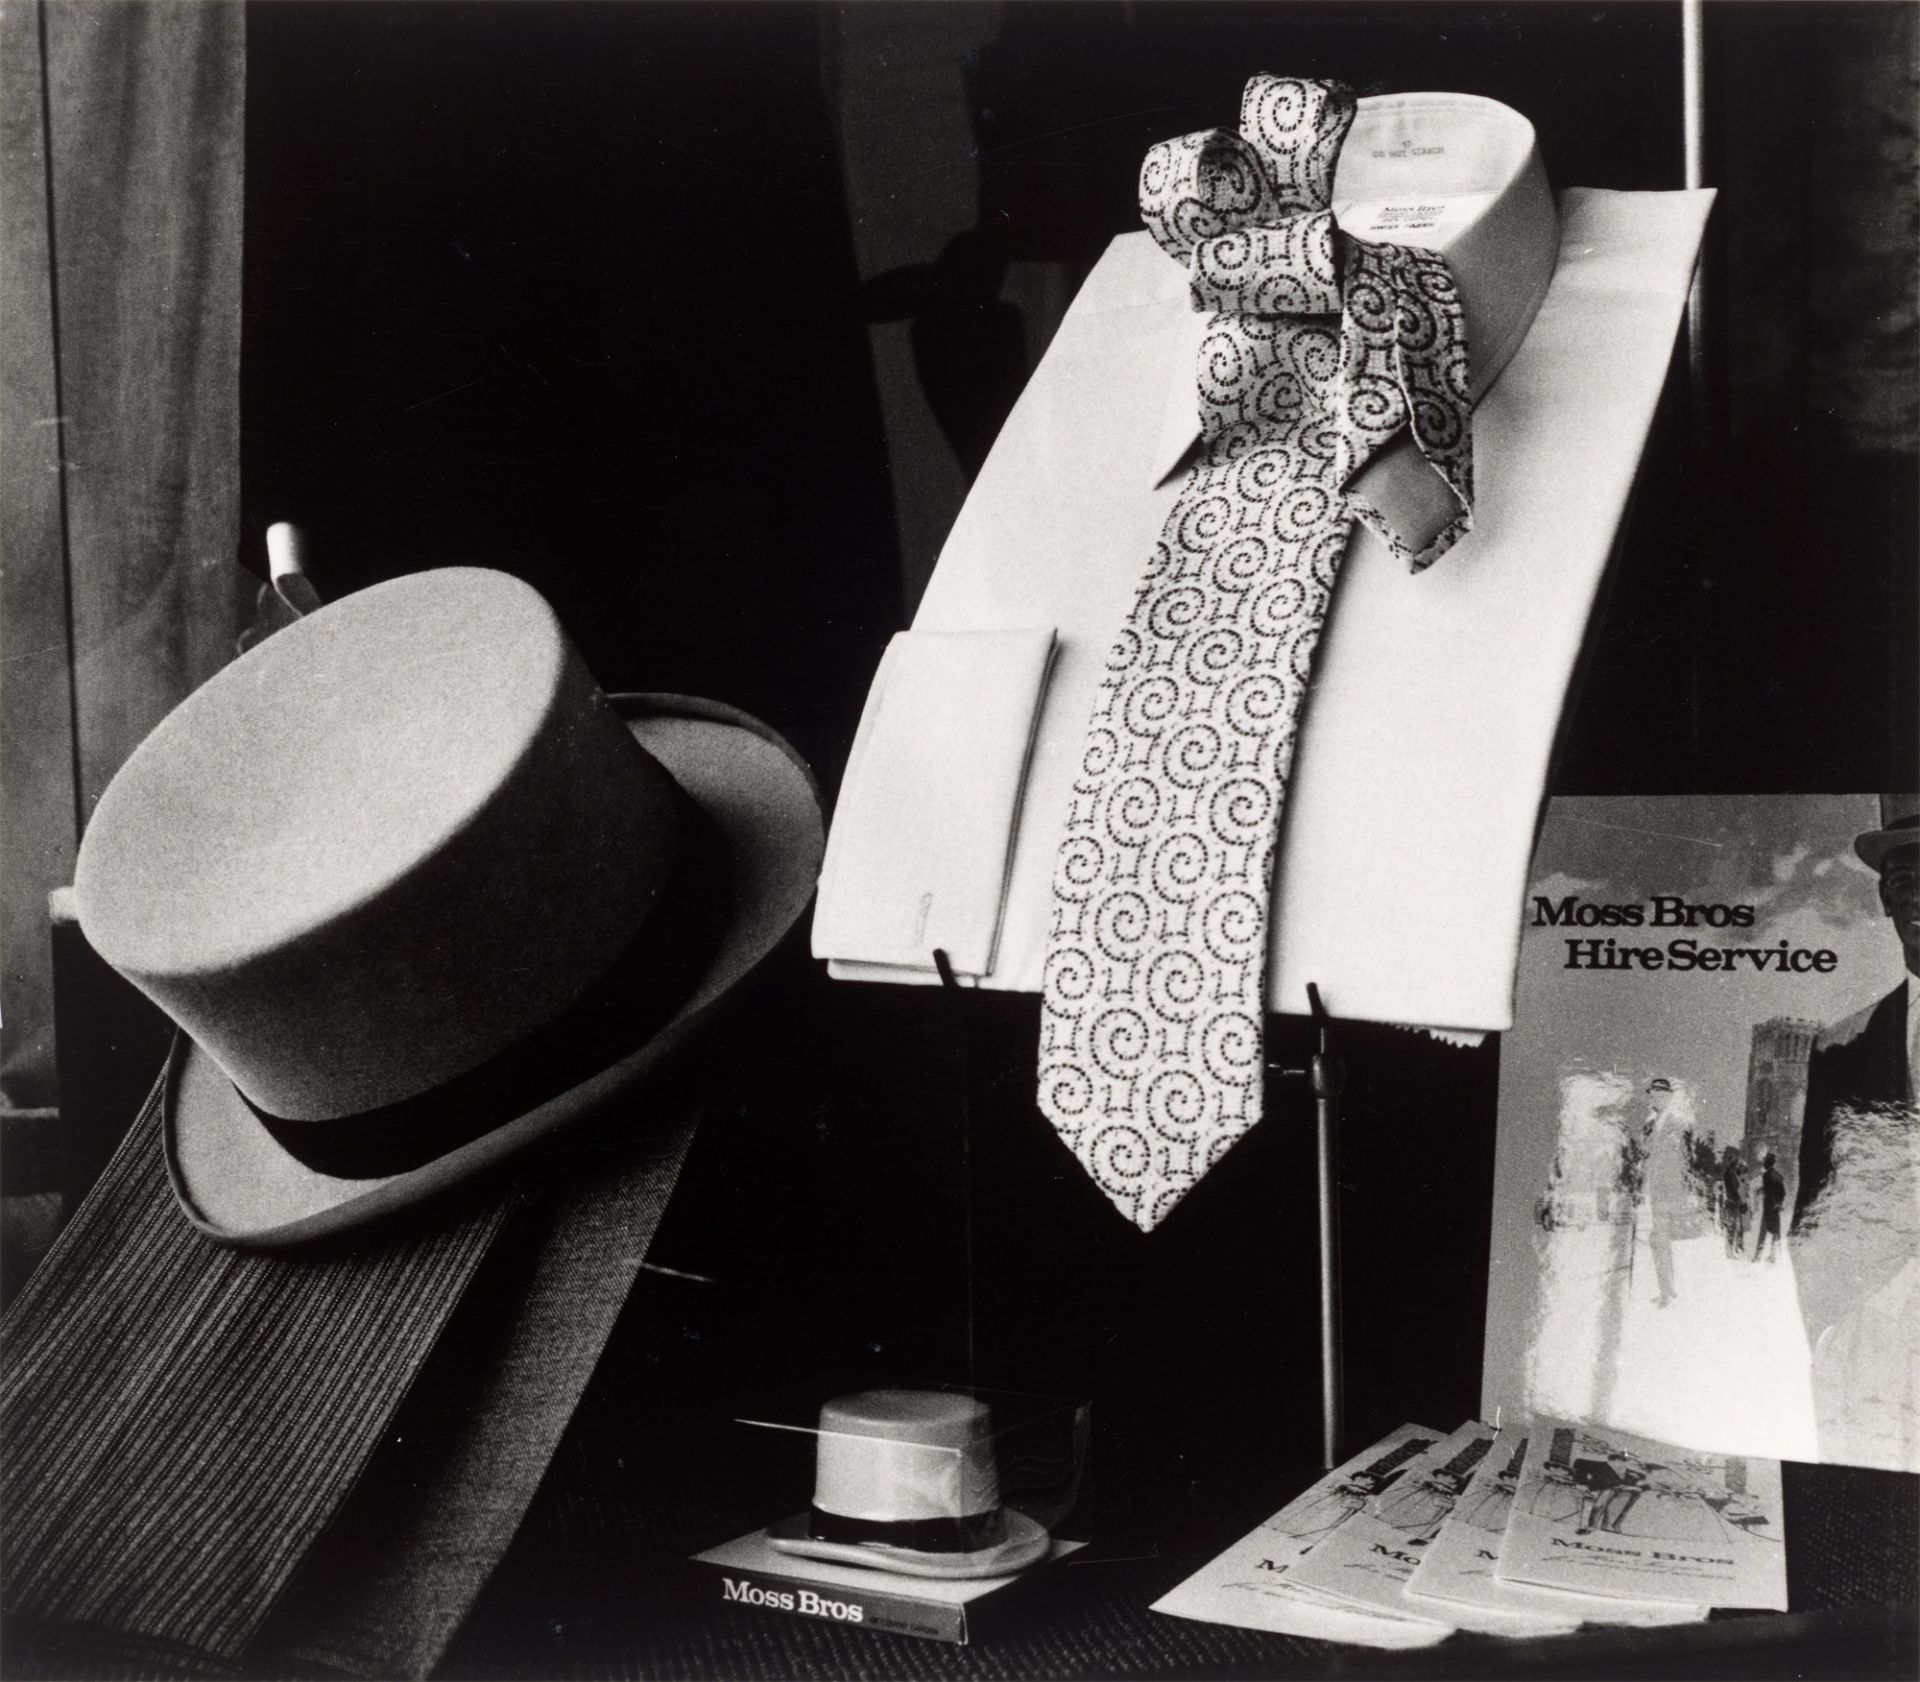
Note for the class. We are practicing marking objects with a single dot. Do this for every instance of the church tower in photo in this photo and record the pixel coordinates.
(1777, 1091)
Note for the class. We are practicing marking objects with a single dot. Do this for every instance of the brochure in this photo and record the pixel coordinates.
(1706, 1222)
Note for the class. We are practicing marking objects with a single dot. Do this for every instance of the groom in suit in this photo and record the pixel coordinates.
(1856, 1215)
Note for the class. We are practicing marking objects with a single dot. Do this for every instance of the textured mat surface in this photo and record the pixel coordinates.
(598, 1587)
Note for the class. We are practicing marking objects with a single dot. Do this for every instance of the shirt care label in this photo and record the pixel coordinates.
(1422, 220)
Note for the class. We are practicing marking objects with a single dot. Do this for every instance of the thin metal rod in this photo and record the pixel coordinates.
(1332, 1401)
(951, 985)
(1328, 1075)
(1693, 81)
(1331, 1398)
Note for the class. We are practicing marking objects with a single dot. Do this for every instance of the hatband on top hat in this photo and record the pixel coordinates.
(1899, 827)
(418, 895)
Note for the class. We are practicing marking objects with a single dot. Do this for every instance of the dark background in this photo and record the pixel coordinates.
(700, 317)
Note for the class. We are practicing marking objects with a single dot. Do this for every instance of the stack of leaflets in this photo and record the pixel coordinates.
(1504, 1532)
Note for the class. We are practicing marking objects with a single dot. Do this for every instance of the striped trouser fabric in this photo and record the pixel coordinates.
(182, 1420)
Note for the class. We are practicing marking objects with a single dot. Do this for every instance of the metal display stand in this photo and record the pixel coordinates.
(1326, 1074)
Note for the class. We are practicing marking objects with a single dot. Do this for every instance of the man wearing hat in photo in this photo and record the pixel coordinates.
(1664, 1182)
(436, 922)
(1855, 1235)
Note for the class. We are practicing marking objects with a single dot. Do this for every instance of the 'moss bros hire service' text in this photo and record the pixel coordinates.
(1685, 954)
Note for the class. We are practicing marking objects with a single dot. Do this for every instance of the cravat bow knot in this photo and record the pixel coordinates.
(1250, 214)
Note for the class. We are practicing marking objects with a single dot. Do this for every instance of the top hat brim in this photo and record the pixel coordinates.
(1025, 1540)
(239, 1185)
(1876, 845)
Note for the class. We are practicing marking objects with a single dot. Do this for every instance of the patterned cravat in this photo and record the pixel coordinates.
(1320, 349)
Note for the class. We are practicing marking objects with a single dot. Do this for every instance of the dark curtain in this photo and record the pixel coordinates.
(1821, 239)
(120, 174)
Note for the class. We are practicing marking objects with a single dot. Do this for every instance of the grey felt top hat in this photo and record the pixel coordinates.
(418, 896)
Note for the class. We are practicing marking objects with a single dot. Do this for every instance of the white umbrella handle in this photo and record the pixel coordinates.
(286, 568)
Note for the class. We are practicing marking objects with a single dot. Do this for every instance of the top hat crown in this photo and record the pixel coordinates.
(904, 1457)
(396, 837)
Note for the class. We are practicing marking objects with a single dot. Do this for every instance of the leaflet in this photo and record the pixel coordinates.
(1371, 1556)
(1252, 1584)
(1602, 1512)
(1455, 1579)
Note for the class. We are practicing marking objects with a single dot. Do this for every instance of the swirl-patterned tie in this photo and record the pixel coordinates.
(1319, 350)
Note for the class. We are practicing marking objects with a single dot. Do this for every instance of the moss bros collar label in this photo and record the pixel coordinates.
(1685, 954)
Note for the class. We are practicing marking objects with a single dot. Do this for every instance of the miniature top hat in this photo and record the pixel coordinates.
(910, 1467)
(418, 896)
(1899, 827)
(906, 1481)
